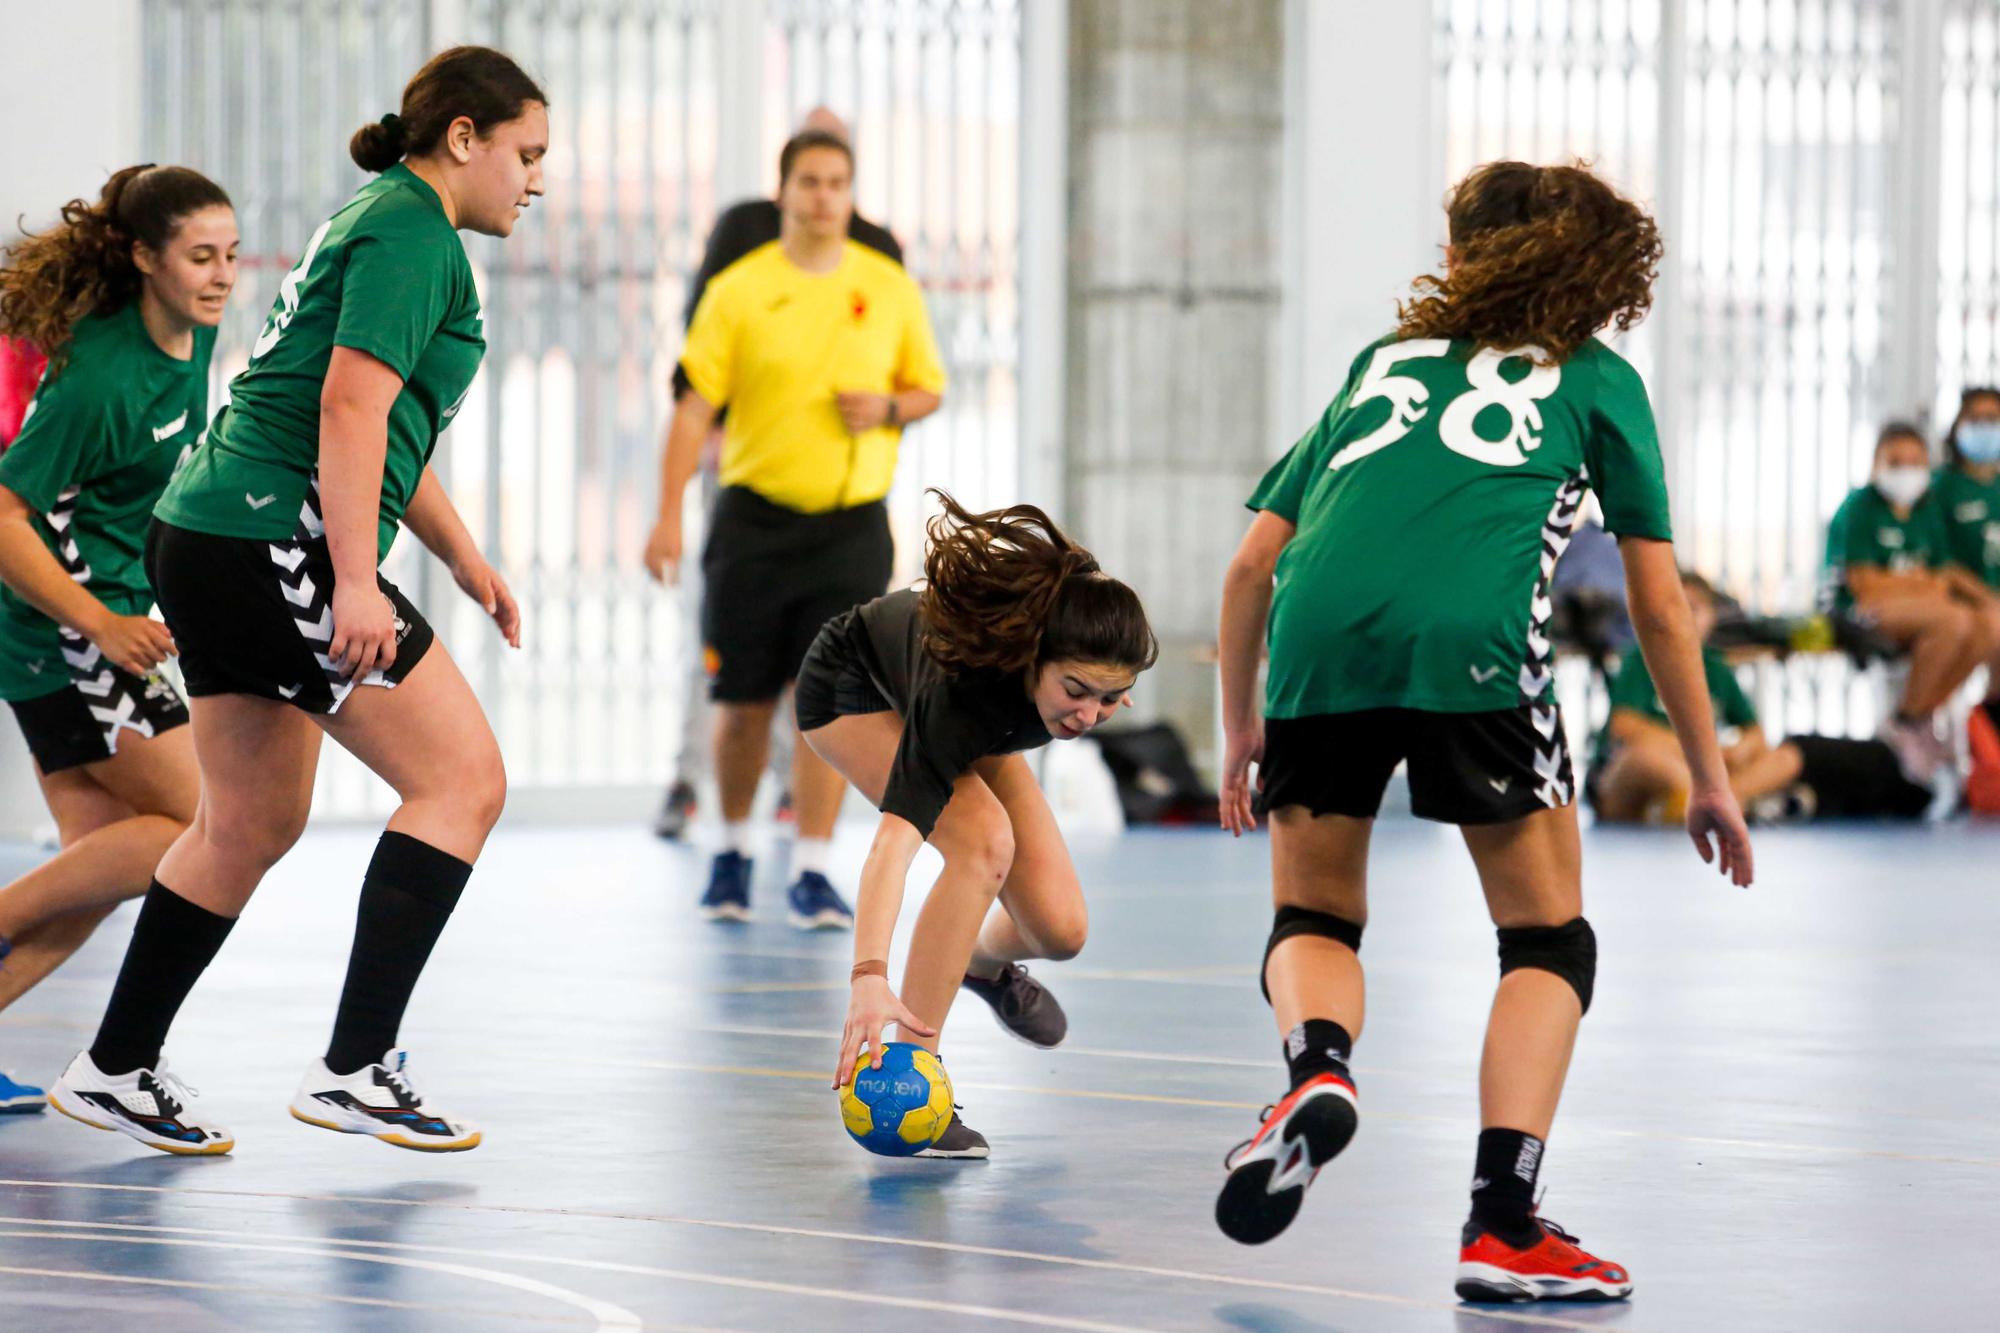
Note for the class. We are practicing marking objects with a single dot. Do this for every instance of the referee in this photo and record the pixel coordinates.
(822, 352)
(743, 228)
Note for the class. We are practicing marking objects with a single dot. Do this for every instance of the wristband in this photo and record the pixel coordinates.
(874, 967)
(895, 411)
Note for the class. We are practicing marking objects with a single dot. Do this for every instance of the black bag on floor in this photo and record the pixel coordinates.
(1156, 780)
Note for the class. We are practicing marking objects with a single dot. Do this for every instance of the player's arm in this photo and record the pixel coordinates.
(693, 416)
(1672, 652)
(1964, 585)
(135, 643)
(435, 520)
(1246, 608)
(872, 1005)
(1871, 582)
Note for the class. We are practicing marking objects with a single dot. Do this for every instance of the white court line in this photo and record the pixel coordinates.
(279, 1293)
(179, 1235)
(609, 1317)
(768, 1229)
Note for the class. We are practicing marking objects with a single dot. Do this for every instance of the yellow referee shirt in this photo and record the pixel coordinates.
(775, 344)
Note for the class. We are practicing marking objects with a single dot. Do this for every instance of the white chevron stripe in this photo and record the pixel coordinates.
(319, 631)
(1545, 721)
(288, 558)
(85, 658)
(309, 521)
(1535, 680)
(99, 686)
(301, 596)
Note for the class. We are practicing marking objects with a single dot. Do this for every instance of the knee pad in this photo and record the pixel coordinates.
(1568, 950)
(1292, 921)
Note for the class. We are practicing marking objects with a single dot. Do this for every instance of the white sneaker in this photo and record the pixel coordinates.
(148, 1104)
(379, 1100)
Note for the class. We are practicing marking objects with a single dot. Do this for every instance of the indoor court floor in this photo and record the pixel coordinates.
(1780, 1115)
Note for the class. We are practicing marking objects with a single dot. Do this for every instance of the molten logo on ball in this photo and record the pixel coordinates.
(902, 1108)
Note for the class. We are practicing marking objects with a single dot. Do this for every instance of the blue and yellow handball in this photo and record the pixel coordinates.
(902, 1108)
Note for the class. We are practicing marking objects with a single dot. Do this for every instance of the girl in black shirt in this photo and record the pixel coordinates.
(924, 700)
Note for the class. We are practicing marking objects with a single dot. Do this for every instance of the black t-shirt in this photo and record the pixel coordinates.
(949, 719)
(747, 226)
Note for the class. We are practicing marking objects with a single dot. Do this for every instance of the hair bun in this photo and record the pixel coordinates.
(379, 145)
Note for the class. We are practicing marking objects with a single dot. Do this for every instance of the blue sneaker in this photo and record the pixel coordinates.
(815, 906)
(20, 1098)
(728, 896)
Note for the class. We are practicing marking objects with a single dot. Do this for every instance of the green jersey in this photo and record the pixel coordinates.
(1970, 509)
(100, 439)
(1866, 531)
(1432, 500)
(1633, 688)
(386, 275)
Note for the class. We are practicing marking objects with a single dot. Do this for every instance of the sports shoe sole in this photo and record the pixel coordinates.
(821, 921)
(23, 1105)
(389, 1136)
(215, 1149)
(1489, 1284)
(726, 912)
(1248, 1209)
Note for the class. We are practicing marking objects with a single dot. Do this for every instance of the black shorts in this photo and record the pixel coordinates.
(1857, 778)
(1465, 768)
(772, 576)
(256, 617)
(81, 722)
(834, 680)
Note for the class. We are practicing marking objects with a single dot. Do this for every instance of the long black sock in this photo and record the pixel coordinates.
(1318, 1046)
(1503, 1185)
(408, 895)
(172, 945)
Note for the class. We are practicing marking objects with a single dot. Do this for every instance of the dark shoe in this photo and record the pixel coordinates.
(959, 1140)
(1022, 1004)
(676, 813)
(728, 896)
(1269, 1174)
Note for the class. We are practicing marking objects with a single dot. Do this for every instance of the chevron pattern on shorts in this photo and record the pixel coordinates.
(311, 604)
(113, 696)
(1538, 665)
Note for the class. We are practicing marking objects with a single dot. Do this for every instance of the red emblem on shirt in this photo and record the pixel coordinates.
(859, 304)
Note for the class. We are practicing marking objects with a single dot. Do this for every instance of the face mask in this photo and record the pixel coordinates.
(1979, 441)
(1903, 486)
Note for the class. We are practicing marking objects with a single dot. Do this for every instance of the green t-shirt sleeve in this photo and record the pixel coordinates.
(1632, 687)
(1850, 537)
(1927, 524)
(1622, 451)
(1283, 489)
(62, 441)
(396, 292)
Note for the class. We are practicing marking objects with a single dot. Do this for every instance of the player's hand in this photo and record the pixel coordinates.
(364, 630)
(482, 583)
(862, 411)
(136, 644)
(871, 1007)
(663, 550)
(1241, 749)
(1717, 813)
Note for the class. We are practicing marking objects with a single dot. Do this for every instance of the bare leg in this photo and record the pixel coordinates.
(1531, 870)
(1638, 774)
(1041, 912)
(742, 748)
(1943, 642)
(817, 791)
(1320, 864)
(1773, 770)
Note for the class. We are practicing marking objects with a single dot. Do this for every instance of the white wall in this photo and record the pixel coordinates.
(1363, 192)
(72, 83)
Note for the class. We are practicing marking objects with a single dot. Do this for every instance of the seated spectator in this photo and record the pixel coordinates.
(1888, 563)
(1967, 489)
(1637, 774)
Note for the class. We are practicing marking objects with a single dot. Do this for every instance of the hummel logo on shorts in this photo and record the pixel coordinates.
(255, 502)
(1500, 784)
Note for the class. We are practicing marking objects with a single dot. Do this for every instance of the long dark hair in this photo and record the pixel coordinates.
(473, 81)
(1545, 257)
(83, 265)
(1007, 591)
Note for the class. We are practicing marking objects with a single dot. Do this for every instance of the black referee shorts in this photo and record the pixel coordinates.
(772, 577)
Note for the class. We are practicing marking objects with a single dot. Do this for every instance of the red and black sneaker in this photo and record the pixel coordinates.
(1554, 1268)
(1268, 1174)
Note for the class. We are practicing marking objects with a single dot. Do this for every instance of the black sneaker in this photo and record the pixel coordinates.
(1022, 1004)
(676, 813)
(1268, 1174)
(959, 1140)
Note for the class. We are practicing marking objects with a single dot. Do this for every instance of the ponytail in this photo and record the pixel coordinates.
(83, 265)
(476, 82)
(1006, 590)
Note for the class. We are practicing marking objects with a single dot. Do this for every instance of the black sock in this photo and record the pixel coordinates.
(1318, 1046)
(172, 944)
(1503, 1185)
(408, 895)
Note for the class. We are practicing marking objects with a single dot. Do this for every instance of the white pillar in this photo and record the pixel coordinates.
(740, 169)
(1044, 251)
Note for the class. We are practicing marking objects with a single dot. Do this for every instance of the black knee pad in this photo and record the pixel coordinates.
(1292, 921)
(1568, 950)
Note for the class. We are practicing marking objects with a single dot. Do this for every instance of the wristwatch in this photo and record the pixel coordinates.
(895, 412)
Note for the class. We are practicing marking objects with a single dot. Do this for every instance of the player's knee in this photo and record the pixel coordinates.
(485, 792)
(1568, 950)
(983, 845)
(252, 837)
(1290, 920)
(1062, 939)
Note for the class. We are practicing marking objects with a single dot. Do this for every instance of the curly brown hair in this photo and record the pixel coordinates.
(83, 265)
(1541, 257)
(1006, 590)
